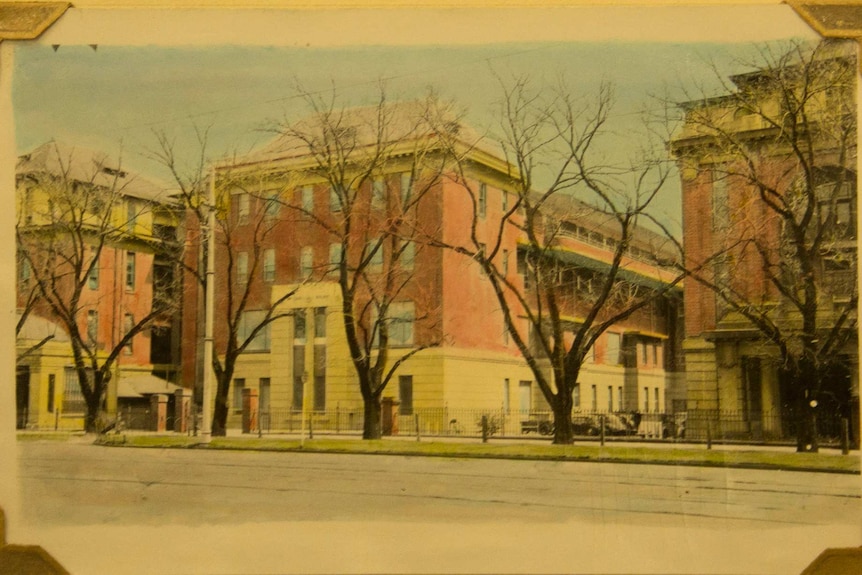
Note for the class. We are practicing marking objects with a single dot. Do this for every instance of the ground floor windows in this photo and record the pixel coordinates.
(405, 394)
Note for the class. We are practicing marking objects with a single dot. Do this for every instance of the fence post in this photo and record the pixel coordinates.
(708, 432)
(416, 422)
(484, 429)
(845, 436)
(602, 429)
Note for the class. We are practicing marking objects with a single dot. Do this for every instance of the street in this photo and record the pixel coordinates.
(76, 488)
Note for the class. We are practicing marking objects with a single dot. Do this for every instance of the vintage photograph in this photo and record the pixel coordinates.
(428, 290)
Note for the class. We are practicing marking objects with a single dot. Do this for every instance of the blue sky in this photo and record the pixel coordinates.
(114, 97)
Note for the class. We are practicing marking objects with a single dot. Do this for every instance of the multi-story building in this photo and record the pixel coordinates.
(769, 201)
(126, 224)
(447, 305)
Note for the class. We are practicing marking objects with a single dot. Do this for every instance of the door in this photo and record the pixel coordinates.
(525, 398)
(752, 396)
(22, 396)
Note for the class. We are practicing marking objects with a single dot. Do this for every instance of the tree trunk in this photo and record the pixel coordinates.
(219, 425)
(92, 417)
(371, 428)
(562, 408)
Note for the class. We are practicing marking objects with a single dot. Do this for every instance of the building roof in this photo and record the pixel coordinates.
(88, 166)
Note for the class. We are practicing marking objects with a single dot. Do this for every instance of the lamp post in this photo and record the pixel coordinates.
(209, 316)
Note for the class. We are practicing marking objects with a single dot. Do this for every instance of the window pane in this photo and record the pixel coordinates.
(320, 322)
(269, 265)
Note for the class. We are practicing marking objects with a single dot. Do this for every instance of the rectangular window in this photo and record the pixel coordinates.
(655, 354)
(375, 264)
(238, 386)
(92, 277)
(308, 200)
(576, 396)
(334, 257)
(646, 400)
(610, 398)
(131, 215)
(505, 263)
(242, 209)
(92, 326)
(643, 350)
(378, 193)
(620, 398)
(408, 256)
(248, 322)
(504, 200)
(299, 332)
(73, 397)
(405, 394)
(320, 377)
(130, 271)
(306, 261)
(401, 315)
(525, 396)
(612, 353)
(269, 265)
(482, 207)
(298, 375)
(406, 187)
(656, 402)
(272, 205)
(334, 201)
(52, 385)
(595, 398)
(242, 268)
(128, 324)
(319, 322)
(263, 395)
(506, 405)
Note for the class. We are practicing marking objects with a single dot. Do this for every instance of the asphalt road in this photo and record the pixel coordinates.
(78, 488)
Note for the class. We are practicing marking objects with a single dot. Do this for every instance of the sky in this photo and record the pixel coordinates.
(115, 97)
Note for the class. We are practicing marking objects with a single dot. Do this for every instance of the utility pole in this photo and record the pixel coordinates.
(209, 316)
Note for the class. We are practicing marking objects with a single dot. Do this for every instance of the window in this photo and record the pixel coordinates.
(525, 396)
(374, 250)
(128, 324)
(92, 326)
(610, 398)
(334, 201)
(505, 263)
(298, 376)
(405, 394)
(334, 257)
(248, 322)
(401, 318)
(92, 277)
(131, 215)
(655, 354)
(612, 352)
(620, 398)
(242, 268)
(406, 187)
(482, 206)
(656, 403)
(378, 193)
(308, 199)
(263, 395)
(646, 400)
(408, 256)
(299, 331)
(595, 398)
(306, 261)
(242, 208)
(272, 205)
(269, 265)
(52, 385)
(576, 396)
(73, 397)
(643, 350)
(506, 405)
(319, 322)
(504, 200)
(320, 377)
(130, 271)
(25, 271)
(238, 386)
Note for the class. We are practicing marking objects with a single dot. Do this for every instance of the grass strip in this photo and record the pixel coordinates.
(755, 459)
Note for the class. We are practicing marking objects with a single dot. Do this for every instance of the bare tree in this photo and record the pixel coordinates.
(779, 147)
(75, 207)
(549, 138)
(379, 164)
(245, 311)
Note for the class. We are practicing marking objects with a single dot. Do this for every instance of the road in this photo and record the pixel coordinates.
(79, 488)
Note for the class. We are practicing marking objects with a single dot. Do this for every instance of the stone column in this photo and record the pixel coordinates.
(158, 412)
(249, 410)
(182, 410)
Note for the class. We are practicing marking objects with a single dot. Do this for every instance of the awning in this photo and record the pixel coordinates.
(132, 385)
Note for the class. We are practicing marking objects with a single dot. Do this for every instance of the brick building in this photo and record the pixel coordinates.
(122, 226)
(446, 303)
(769, 223)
